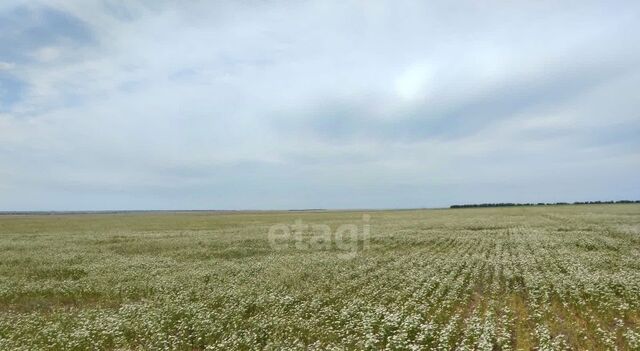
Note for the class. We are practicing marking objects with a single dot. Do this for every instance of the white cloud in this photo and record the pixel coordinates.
(212, 91)
(6, 66)
(415, 82)
(47, 54)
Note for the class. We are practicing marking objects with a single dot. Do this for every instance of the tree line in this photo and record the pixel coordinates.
(512, 204)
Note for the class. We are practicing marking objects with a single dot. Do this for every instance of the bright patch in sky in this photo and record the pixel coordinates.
(414, 82)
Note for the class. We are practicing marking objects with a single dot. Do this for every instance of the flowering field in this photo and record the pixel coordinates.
(546, 278)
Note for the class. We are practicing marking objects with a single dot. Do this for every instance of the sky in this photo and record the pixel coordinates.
(316, 104)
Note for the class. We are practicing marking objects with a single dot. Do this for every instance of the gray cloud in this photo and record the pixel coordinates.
(26, 30)
(342, 120)
(316, 104)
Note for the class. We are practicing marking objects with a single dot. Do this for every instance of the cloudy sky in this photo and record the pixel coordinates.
(316, 104)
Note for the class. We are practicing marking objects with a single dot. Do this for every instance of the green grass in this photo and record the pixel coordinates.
(556, 277)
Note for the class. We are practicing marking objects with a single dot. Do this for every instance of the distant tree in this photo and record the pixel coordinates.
(511, 204)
